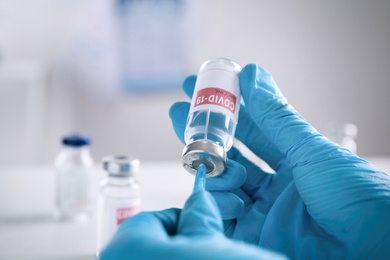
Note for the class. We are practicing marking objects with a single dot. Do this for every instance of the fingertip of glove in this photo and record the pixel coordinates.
(249, 68)
(257, 84)
(232, 178)
(179, 108)
(229, 204)
(239, 170)
(252, 73)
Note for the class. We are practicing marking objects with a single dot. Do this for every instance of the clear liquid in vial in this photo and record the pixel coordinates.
(212, 126)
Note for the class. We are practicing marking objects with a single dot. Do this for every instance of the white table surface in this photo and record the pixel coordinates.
(28, 231)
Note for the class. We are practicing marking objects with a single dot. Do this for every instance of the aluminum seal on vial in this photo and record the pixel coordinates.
(204, 152)
(120, 165)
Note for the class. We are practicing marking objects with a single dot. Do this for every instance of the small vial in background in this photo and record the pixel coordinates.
(119, 197)
(213, 117)
(343, 134)
(74, 164)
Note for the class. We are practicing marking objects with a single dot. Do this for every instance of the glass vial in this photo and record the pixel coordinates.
(119, 196)
(74, 180)
(213, 117)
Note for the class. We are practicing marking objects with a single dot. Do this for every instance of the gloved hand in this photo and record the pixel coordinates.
(196, 232)
(323, 201)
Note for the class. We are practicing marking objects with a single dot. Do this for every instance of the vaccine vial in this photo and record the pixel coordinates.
(213, 117)
(119, 197)
(74, 171)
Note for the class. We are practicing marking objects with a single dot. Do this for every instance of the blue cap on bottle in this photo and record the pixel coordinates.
(76, 140)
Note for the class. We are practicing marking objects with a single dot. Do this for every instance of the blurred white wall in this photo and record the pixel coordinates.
(330, 59)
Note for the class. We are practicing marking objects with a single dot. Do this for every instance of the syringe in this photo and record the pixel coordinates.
(200, 179)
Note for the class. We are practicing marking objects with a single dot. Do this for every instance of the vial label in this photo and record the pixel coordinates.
(217, 90)
(119, 212)
(218, 97)
(111, 214)
(124, 213)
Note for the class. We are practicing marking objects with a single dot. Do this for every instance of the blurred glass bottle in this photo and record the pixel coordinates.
(74, 180)
(119, 196)
(343, 134)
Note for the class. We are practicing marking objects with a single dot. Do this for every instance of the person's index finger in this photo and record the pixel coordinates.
(200, 216)
(178, 114)
(253, 138)
(281, 124)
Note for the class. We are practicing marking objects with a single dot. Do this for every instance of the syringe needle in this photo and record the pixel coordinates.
(200, 179)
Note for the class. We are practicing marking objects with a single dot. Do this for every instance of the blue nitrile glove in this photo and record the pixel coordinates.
(324, 202)
(195, 232)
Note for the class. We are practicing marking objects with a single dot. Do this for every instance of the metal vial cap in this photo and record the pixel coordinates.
(204, 152)
(120, 165)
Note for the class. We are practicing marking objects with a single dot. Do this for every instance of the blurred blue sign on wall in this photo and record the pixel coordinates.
(128, 46)
(151, 43)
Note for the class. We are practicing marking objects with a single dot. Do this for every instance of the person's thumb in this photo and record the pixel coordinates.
(281, 124)
(200, 216)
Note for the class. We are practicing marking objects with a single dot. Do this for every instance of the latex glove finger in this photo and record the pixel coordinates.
(200, 216)
(200, 219)
(254, 139)
(329, 179)
(255, 175)
(193, 233)
(233, 177)
(163, 222)
(268, 108)
(178, 113)
(171, 234)
(230, 205)
(259, 184)
(136, 233)
(255, 215)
